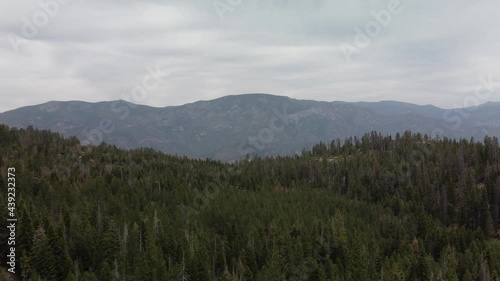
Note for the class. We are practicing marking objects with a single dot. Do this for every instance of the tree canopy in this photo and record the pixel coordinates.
(408, 207)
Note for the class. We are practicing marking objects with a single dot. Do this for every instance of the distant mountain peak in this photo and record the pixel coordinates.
(229, 127)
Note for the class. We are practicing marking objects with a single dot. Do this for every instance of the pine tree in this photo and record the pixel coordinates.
(105, 274)
(26, 265)
(395, 273)
(59, 250)
(339, 231)
(321, 273)
(71, 277)
(44, 261)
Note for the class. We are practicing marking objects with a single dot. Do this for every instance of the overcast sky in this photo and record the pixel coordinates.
(424, 52)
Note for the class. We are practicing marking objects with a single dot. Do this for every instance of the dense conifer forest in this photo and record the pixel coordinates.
(404, 207)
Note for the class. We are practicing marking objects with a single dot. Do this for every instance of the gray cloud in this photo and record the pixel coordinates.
(97, 50)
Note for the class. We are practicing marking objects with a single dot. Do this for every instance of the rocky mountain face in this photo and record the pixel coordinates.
(230, 127)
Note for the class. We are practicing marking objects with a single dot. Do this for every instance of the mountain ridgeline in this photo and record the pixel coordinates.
(375, 207)
(228, 128)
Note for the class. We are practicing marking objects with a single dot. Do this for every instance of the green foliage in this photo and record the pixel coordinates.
(105, 274)
(89, 276)
(71, 277)
(379, 208)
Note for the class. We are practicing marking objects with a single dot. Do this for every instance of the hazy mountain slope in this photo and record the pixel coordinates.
(401, 108)
(230, 127)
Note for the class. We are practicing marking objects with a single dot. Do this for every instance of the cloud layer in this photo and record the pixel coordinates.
(94, 50)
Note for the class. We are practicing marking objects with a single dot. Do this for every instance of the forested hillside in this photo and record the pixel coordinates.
(406, 207)
(230, 127)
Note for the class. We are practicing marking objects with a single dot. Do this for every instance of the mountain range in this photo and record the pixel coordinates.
(230, 127)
